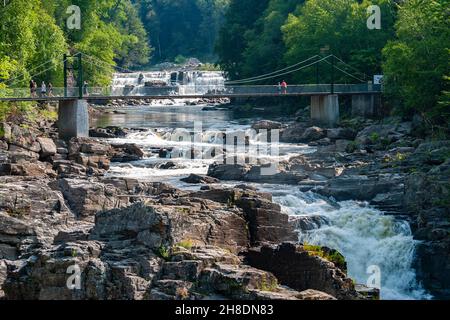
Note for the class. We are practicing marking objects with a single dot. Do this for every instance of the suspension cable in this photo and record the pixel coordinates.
(13, 80)
(285, 73)
(349, 74)
(274, 72)
(35, 75)
(106, 63)
(352, 67)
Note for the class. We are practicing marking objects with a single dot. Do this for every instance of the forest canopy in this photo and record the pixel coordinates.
(246, 38)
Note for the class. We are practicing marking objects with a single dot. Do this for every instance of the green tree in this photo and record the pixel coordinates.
(240, 20)
(265, 46)
(29, 36)
(340, 25)
(417, 63)
(182, 27)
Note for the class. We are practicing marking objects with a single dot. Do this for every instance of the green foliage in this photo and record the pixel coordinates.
(240, 19)
(332, 255)
(417, 63)
(33, 32)
(186, 244)
(339, 25)
(374, 137)
(164, 252)
(182, 27)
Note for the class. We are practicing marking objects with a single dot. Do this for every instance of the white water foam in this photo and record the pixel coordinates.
(366, 237)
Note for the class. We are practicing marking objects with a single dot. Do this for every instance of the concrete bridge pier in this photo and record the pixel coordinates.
(73, 119)
(366, 105)
(325, 109)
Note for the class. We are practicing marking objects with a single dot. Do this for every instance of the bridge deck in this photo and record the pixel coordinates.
(163, 93)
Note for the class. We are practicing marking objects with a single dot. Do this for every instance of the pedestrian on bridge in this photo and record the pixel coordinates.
(43, 89)
(284, 86)
(33, 87)
(279, 87)
(85, 89)
(50, 89)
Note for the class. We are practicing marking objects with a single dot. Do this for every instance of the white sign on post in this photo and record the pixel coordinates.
(378, 79)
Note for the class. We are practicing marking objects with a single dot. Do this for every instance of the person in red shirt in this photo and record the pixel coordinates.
(284, 86)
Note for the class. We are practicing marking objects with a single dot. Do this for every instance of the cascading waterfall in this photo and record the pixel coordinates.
(365, 236)
(186, 82)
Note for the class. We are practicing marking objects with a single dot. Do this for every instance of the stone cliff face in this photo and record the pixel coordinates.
(175, 247)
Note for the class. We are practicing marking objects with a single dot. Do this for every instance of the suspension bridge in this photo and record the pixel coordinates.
(73, 99)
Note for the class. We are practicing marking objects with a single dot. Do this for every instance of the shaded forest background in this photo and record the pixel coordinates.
(244, 37)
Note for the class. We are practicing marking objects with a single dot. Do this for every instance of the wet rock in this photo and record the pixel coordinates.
(228, 171)
(126, 153)
(108, 132)
(267, 125)
(361, 187)
(249, 173)
(197, 179)
(309, 222)
(168, 165)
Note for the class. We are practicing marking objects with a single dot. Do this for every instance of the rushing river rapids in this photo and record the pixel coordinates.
(366, 237)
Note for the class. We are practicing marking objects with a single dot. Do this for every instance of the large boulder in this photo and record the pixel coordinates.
(341, 134)
(228, 171)
(267, 125)
(254, 173)
(300, 269)
(19, 154)
(198, 179)
(27, 169)
(313, 134)
(86, 198)
(293, 133)
(126, 152)
(22, 137)
(48, 147)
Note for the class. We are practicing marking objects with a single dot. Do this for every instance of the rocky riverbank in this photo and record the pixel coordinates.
(130, 239)
(387, 165)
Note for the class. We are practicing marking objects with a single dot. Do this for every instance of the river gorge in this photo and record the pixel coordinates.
(363, 234)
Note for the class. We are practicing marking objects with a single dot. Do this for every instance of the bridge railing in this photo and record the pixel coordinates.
(193, 90)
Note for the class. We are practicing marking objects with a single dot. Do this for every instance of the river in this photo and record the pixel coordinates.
(367, 238)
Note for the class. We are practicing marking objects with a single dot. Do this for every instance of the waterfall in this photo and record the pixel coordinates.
(365, 236)
(165, 82)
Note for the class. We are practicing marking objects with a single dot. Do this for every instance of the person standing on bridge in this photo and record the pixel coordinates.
(85, 89)
(50, 89)
(32, 88)
(279, 87)
(43, 89)
(284, 86)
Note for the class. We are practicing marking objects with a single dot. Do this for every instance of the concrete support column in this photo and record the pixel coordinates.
(367, 105)
(325, 109)
(73, 119)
